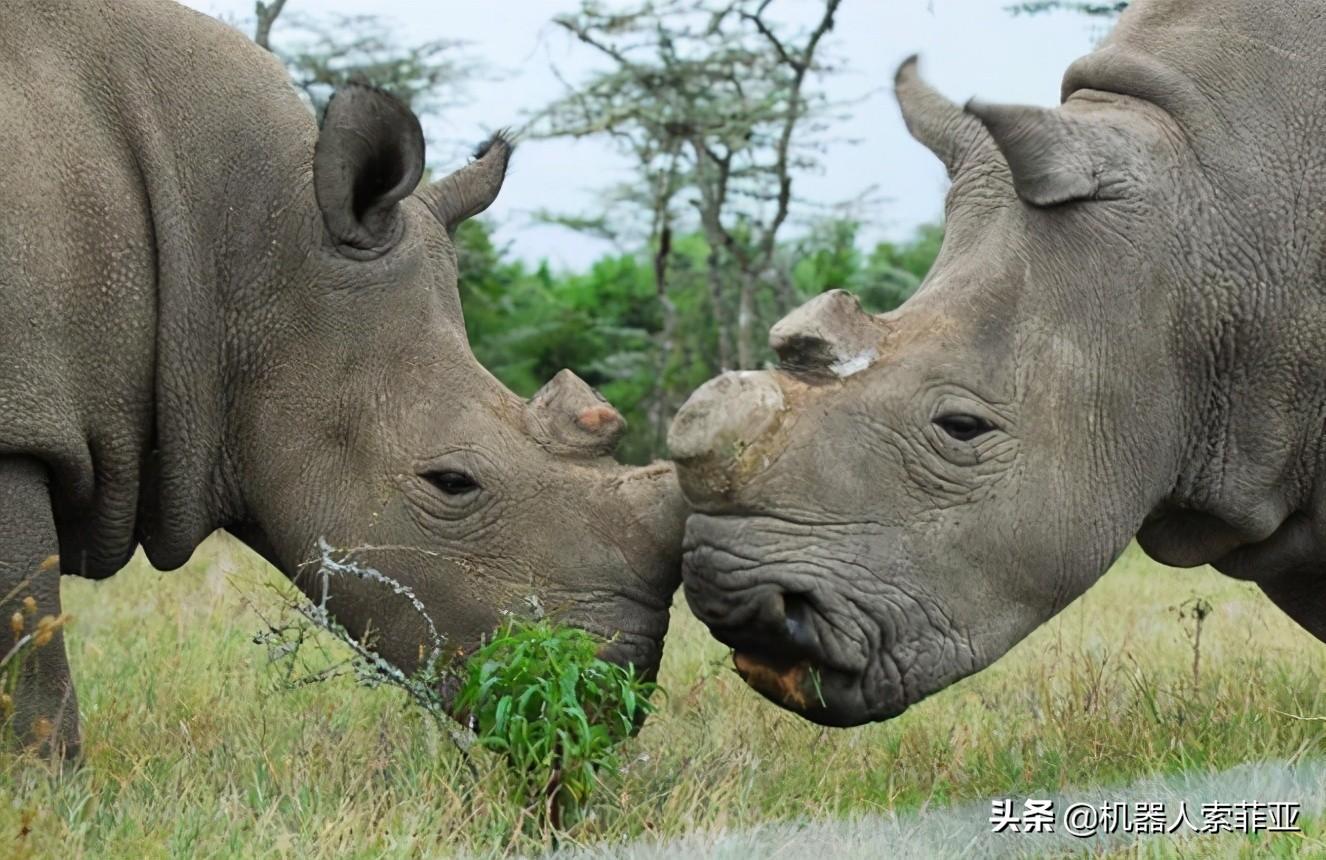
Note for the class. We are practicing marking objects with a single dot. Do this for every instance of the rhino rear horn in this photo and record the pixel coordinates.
(570, 417)
(472, 189)
(1053, 156)
(956, 137)
(831, 333)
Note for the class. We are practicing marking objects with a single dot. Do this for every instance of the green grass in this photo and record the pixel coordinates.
(192, 748)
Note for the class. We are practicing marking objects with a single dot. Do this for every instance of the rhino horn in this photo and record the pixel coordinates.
(472, 189)
(956, 137)
(831, 332)
(569, 416)
(1053, 156)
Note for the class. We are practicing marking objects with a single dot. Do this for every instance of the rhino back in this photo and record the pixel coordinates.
(129, 129)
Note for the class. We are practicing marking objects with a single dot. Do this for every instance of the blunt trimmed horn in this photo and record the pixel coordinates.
(831, 333)
(472, 189)
(956, 137)
(721, 423)
(570, 417)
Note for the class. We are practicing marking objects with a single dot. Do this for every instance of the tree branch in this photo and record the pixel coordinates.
(794, 103)
(266, 14)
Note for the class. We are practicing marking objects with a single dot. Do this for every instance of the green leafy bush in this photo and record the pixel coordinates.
(538, 694)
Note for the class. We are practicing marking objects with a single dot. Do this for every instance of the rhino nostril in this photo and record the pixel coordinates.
(797, 623)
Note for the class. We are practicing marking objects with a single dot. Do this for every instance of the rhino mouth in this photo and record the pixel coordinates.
(801, 635)
(825, 696)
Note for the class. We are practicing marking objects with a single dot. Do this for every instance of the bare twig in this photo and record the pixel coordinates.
(285, 640)
(266, 14)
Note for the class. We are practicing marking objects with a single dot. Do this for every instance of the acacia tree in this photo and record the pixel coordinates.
(713, 102)
(324, 53)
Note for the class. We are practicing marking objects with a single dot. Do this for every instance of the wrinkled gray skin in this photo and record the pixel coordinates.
(217, 316)
(1124, 335)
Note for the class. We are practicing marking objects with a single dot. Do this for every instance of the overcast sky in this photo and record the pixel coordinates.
(968, 47)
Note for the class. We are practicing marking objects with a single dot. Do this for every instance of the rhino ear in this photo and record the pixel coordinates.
(955, 137)
(474, 187)
(1053, 156)
(369, 157)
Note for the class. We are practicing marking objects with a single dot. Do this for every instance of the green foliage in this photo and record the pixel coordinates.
(607, 324)
(538, 694)
(830, 258)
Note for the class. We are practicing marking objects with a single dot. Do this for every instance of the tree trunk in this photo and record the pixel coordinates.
(787, 291)
(267, 14)
(660, 412)
(660, 409)
(715, 281)
(746, 322)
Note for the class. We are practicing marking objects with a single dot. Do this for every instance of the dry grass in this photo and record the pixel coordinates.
(193, 749)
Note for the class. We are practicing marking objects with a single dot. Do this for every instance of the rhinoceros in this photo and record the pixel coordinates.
(1124, 335)
(217, 314)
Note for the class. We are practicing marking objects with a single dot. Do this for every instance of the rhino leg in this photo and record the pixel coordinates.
(45, 709)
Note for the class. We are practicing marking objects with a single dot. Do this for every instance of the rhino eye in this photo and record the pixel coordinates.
(452, 483)
(964, 428)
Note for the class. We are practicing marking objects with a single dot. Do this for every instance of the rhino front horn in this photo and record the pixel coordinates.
(831, 334)
(570, 417)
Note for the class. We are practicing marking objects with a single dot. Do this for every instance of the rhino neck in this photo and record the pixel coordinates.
(1254, 365)
(1245, 325)
(224, 148)
(1241, 276)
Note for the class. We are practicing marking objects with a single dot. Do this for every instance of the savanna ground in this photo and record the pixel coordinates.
(194, 746)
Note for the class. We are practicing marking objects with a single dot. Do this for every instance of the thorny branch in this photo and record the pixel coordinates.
(284, 641)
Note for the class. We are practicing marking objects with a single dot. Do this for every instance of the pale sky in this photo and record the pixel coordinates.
(967, 47)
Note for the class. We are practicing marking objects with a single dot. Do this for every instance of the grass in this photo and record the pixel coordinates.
(194, 748)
